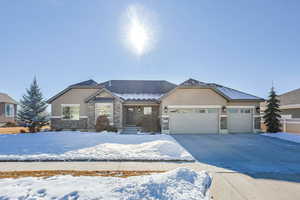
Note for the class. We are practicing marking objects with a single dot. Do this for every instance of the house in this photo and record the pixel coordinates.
(8, 109)
(156, 105)
(290, 104)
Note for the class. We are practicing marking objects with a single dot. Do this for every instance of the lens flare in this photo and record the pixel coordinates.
(139, 34)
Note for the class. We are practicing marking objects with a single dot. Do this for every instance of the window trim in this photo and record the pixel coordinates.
(62, 113)
(13, 110)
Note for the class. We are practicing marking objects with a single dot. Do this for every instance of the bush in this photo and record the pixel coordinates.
(102, 123)
(22, 131)
(112, 129)
(10, 124)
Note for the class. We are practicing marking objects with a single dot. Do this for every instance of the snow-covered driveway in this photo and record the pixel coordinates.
(90, 146)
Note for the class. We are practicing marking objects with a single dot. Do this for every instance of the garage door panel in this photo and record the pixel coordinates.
(239, 121)
(194, 122)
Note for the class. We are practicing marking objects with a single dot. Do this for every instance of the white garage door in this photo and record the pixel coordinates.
(239, 120)
(194, 120)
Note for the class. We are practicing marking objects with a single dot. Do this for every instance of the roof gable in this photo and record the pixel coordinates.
(4, 98)
(228, 93)
(89, 84)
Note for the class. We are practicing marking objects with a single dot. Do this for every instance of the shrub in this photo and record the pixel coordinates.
(10, 124)
(102, 123)
(22, 131)
(112, 129)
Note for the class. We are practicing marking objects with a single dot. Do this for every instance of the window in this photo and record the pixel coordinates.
(223, 123)
(9, 110)
(232, 110)
(257, 123)
(71, 112)
(199, 110)
(212, 110)
(147, 110)
(245, 110)
(104, 109)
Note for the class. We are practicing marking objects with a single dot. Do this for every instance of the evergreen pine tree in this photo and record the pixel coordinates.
(272, 113)
(33, 108)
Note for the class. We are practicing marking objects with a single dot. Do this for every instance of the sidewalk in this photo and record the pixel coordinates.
(227, 184)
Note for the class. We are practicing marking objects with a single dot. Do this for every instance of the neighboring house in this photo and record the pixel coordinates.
(190, 107)
(8, 109)
(290, 111)
(290, 104)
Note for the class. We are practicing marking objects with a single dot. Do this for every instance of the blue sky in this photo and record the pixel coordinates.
(241, 44)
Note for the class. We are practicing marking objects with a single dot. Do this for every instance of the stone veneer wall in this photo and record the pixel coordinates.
(118, 121)
(117, 107)
(57, 123)
(91, 115)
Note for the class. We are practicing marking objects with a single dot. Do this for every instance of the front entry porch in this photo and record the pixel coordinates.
(143, 116)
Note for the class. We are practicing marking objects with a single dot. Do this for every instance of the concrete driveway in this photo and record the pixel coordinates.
(245, 153)
(249, 166)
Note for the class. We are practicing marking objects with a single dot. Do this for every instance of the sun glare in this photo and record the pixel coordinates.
(139, 33)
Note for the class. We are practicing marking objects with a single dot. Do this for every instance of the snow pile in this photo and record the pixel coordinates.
(181, 183)
(293, 137)
(90, 146)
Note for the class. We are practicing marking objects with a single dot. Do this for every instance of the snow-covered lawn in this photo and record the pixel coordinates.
(181, 183)
(293, 137)
(90, 146)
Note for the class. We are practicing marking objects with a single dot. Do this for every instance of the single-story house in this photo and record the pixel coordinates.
(8, 109)
(290, 104)
(157, 105)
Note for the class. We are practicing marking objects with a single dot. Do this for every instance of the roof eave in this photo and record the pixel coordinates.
(247, 100)
(50, 100)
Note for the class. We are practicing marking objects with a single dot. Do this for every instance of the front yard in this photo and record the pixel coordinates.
(87, 146)
(181, 183)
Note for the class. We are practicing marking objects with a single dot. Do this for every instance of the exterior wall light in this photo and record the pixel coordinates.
(165, 109)
(224, 109)
(257, 109)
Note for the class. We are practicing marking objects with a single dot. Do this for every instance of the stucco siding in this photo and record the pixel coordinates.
(290, 98)
(293, 128)
(243, 103)
(193, 97)
(74, 96)
(295, 112)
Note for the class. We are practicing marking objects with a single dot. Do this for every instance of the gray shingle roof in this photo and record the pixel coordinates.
(138, 86)
(4, 98)
(85, 83)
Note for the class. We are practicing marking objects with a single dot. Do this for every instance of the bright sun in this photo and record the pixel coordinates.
(138, 36)
(138, 30)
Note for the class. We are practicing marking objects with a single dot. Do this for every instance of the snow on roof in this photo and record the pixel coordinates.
(141, 96)
(235, 94)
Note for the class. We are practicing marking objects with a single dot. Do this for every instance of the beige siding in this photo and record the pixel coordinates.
(243, 103)
(73, 96)
(104, 94)
(293, 128)
(290, 98)
(193, 97)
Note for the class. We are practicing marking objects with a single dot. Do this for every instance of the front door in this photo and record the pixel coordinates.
(130, 116)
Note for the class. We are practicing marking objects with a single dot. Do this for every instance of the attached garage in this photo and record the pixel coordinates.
(193, 120)
(240, 120)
